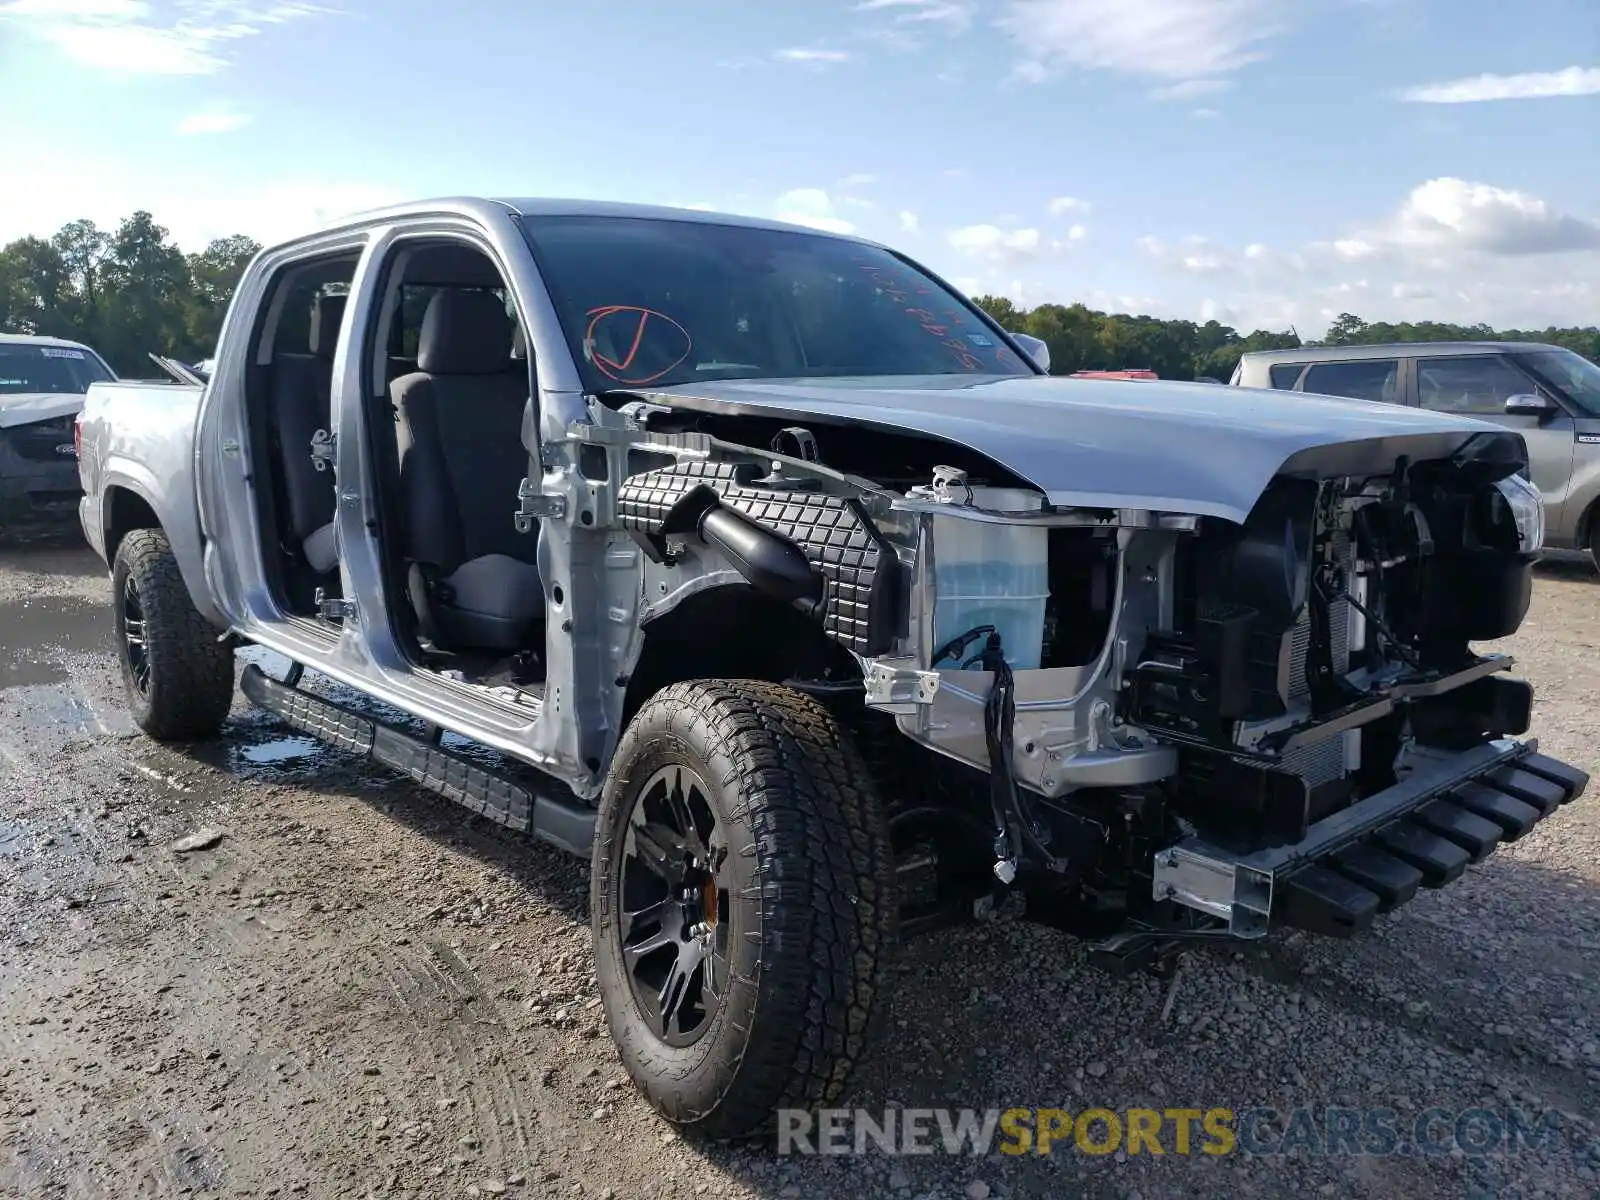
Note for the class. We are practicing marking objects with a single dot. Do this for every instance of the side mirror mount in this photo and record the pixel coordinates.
(1529, 404)
(1037, 349)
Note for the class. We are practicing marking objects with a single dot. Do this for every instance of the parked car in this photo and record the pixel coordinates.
(1126, 373)
(795, 595)
(1548, 394)
(42, 384)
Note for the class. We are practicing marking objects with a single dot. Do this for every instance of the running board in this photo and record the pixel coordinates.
(563, 822)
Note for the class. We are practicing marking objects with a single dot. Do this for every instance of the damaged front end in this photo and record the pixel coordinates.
(1188, 727)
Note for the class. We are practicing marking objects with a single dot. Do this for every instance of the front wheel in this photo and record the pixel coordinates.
(742, 904)
(178, 676)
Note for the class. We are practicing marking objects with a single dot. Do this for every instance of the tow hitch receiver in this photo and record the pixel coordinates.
(1372, 857)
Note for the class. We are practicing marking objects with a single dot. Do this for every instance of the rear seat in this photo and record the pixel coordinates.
(302, 387)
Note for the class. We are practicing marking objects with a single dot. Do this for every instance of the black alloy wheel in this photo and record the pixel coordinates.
(672, 905)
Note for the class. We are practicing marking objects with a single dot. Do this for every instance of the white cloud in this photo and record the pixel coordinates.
(60, 9)
(1413, 291)
(1180, 41)
(813, 55)
(909, 222)
(1456, 215)
(1450, 250)
(996, 244)
(1077, 233)
(1539, 85)
(211, 122)
(953, 14)
(1066, 204)
(189, 37)
(193, 202)
(1191, 89)
(812, 207)
(858, 180)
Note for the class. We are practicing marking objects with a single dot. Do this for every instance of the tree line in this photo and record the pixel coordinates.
(1084, 339)
(125, 292)
(130, 291)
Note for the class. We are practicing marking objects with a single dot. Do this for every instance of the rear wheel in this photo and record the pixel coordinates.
(178, 676)
(742, 904)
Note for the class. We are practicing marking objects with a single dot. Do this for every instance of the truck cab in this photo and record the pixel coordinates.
(760, 566)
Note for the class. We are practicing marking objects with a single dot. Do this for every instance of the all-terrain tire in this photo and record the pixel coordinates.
(811, 910)
(181, 688)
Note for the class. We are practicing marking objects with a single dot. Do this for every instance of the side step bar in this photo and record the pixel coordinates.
(565, 822)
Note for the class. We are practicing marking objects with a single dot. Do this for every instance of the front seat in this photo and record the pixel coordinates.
(472, 577)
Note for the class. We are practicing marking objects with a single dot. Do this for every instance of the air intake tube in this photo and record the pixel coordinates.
(771, 564)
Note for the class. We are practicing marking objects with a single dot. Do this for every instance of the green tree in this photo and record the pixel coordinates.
(148, 287)
(82, 248)
(38, 295)
(214, 273)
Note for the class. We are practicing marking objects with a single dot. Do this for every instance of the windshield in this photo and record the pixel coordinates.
(650, 303)
(33, 368)
(1573, 377)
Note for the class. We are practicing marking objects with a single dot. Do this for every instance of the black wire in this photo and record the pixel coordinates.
(1384, 631)
(999, 720)
(957, 644)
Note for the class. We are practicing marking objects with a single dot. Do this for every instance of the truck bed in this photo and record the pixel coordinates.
(137, 465)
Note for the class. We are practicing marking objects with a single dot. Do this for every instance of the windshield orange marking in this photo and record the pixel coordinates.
(613, 369)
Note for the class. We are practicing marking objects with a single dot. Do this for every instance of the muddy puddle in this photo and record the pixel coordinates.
(58, 714)
(38, 635)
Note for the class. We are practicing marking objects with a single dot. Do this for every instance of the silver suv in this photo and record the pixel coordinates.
(1548, 394)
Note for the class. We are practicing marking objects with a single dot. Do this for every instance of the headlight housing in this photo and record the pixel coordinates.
(1527, 509)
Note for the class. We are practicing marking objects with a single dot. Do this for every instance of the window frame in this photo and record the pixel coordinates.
(1299, 369)
(1503, 360)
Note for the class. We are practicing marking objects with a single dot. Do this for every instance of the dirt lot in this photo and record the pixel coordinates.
(360, 990)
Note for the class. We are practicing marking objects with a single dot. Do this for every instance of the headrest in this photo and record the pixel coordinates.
(327, 314)
(519, 344)
(464, 333)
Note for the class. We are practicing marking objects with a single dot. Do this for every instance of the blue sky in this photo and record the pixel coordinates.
(1266, 162)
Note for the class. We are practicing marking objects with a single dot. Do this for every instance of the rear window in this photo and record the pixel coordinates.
(1283, 375)
(66, 370)
(1370, 379)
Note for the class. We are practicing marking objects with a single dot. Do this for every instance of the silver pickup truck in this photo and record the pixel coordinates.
(791, 590)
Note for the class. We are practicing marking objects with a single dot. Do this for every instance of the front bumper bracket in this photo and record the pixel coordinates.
(1450, 811)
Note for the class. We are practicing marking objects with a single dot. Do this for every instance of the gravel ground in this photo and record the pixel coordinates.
(357, 989)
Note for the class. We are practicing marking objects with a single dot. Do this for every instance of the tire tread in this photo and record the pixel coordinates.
(825, 891)
(191, 671)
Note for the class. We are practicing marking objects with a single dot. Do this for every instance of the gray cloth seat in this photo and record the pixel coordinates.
(472, 577)
(302, 386)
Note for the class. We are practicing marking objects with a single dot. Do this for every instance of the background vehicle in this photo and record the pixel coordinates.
(42, 384)
(798, 597)
(1128, 373)
(1548, 394)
